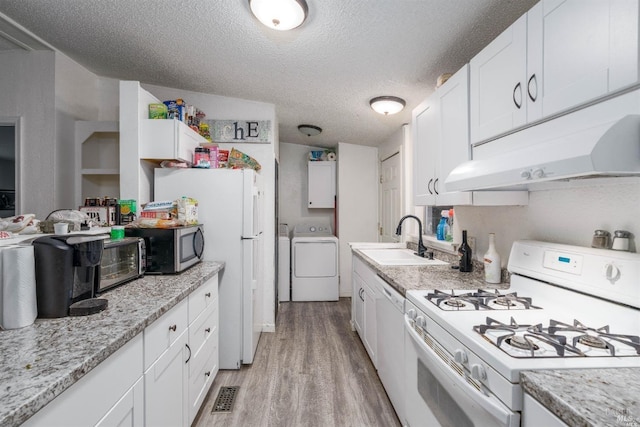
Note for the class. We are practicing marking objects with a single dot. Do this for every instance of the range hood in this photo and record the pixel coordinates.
(551, 151)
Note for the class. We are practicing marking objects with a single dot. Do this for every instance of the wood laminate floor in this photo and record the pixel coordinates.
(313, 371)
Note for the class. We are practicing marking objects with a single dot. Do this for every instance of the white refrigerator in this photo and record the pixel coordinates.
(230, 208)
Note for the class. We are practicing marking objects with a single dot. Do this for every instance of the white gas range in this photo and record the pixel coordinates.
(567, 307)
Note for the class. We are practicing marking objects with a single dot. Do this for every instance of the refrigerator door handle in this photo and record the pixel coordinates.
(251, 237)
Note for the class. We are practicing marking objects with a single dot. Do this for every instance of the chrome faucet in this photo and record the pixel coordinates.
(421, 247)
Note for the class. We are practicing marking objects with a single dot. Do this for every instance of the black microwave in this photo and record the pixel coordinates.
(170, 250)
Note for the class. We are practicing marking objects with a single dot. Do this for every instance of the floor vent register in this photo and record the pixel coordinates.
(225, 400)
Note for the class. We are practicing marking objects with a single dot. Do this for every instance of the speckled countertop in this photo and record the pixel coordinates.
(405, 278)
(40, 361)
(588, 397)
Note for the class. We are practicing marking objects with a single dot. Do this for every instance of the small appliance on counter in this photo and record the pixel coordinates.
(66, 268)
(170, 250)
(123, 260)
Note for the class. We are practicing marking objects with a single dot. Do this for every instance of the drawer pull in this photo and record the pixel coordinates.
(208, 330)
(173, 328)
(208, 295)
(208, 373)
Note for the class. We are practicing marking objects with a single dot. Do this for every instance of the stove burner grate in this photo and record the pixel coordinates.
(479, 300)
(596, 338)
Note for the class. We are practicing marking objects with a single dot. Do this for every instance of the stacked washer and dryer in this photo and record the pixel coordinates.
(314, 263)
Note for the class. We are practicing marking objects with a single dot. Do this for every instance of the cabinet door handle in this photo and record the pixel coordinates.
(188, 358)
(533, 96)
(518, 90)
(429, 186)
(173, 328)
(208, 373)
(208, 295)
(435, 186)
(207, 330)
(360, 293)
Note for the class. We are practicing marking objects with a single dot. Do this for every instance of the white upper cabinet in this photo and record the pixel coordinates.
(497, 76)
(441, 141)
(560, 55)
(322, 184)
(425, 145)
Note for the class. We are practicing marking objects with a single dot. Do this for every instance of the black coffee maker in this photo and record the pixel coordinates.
(66, 268)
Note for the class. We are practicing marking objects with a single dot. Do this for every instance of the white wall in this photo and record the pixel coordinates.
(27, 86)
(567, 214)
(76, 98)
(293, 188)
(357, 203)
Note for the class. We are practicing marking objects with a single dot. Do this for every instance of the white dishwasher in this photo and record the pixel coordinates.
(390, 328)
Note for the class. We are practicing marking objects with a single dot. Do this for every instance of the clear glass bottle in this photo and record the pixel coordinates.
(492, 267)
(464, 251)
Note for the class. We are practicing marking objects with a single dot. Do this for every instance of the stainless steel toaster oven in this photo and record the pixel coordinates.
(123, 260)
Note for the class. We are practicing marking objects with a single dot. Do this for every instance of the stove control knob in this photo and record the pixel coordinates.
(611, 272)
(478, 372)
(461, 357)
(411, 313)
(421, 322)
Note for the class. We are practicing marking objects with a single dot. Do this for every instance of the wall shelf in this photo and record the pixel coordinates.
(97, 159)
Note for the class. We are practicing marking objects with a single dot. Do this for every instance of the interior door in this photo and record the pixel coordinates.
(390, 201)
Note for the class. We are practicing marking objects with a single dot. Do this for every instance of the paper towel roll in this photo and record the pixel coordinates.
(331, 156)
(18, 305)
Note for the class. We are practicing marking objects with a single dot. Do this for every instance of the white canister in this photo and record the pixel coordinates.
(492, 267)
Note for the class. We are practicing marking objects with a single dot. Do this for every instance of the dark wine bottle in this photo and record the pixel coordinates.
(464, 251)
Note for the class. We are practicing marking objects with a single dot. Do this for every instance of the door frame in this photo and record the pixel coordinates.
(16, 122)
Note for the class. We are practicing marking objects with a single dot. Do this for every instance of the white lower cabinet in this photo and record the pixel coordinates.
(165, 386)
(535, 414)
(108, 395)
(378, 315)
(159, 378)
(203, 343)
(178, 380)
(128, 411)
(365, 293)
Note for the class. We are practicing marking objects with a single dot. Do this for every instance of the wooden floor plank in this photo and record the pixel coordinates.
(313, 371)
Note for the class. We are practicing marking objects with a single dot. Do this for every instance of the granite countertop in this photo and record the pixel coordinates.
(409, 277)
(40, 361)
(605, 397)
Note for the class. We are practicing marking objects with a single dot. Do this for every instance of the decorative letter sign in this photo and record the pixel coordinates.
(255, 131)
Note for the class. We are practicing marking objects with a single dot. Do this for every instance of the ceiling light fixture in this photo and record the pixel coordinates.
(310, 130)
(280, 15)
(387, 105)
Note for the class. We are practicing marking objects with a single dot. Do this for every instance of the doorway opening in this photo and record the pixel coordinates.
(9, 167)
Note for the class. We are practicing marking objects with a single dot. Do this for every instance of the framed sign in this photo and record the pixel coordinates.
(250, 131)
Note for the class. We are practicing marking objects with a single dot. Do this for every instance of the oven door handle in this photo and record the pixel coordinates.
(489, 404)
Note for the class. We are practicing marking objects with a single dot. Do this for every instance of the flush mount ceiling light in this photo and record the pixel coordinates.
(310, 130)
(280, 15)
(387, 104)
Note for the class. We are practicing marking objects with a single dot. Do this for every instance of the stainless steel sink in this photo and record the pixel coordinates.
(399, 256)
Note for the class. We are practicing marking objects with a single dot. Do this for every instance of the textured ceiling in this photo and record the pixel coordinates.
(322, 73)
